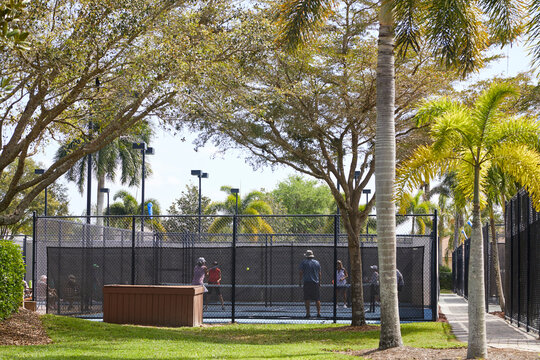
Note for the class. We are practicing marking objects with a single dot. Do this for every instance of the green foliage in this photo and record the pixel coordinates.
(301, 196)
(11, 278)
(445, 277)
(57, 199)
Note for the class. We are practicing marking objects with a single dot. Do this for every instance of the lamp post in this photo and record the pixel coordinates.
(235, 192)
(106, 191)
(144, 151)
(41, 172)
(367, 192)
(200, 175)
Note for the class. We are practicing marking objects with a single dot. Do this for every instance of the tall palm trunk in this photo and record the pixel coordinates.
(495, 257)
(100, 198)
(477, 307)
(385, 163)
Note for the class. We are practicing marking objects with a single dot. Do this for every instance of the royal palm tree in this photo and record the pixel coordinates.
(470, 141)
(456, 32)
(118, 154)
(252, 204)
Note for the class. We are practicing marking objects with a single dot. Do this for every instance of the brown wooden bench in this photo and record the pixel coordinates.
(153, 305)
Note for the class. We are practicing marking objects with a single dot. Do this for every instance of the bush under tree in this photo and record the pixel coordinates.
(11, 278)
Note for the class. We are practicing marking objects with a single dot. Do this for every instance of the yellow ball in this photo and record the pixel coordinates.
(247, 269)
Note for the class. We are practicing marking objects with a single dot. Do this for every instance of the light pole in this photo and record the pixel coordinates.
(235, 192)
(41, 172)
(200, 175)
(144, 151)
(106, 191)
(367, 192)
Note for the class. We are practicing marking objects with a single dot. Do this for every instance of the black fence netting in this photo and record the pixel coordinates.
(522, 282)
(258, 256)
(460, 265)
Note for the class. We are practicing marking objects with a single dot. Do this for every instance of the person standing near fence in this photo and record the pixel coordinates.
(310, 276)
(214, 282)
(341, 285)
(374, 287)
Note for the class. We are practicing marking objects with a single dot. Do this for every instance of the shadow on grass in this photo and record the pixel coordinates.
(71, 329)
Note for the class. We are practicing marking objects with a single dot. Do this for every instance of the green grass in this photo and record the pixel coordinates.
(446, 291)
(82, 339)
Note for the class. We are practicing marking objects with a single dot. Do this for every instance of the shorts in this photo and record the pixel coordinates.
(214, 288)
(311, 291)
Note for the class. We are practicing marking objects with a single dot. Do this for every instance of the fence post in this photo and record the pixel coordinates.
(133, 250)
(233, 290)
(34, 257)
(435, 272)
(519, 258)
(528, 298)
(336, 235)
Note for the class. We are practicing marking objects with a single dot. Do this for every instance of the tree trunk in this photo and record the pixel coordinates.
(495, 257)
(385, 165)
(100, 199)
(357, 289)
(477, 347)
(457, 218)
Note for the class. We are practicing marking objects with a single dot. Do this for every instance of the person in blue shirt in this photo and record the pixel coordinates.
(310, 276)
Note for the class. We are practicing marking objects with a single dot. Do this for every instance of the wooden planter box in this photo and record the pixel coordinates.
(153, 305)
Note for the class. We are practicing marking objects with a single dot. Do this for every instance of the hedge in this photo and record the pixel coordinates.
(445, 277)
(11, 278)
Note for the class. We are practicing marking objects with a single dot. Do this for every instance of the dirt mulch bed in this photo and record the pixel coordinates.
(498, 313)
(362, 328)
(409, 353)
(23, 328)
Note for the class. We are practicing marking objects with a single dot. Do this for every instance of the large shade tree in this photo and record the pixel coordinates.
(470, 141)
(457, 33)
(313, 111)
(132, 49)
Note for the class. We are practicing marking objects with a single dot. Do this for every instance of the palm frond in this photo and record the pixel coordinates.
(299, 19)
(431, 109)
(485, 108)
(515, 130)
(456, 33)
(523, 165)
(423, 166)
(408, 26)
(506, 20)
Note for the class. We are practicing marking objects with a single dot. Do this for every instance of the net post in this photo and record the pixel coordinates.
(133, 250)
(336, 235)
(435, 272)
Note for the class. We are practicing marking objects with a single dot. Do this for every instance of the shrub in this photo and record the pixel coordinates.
(11, 278)
(445, 277)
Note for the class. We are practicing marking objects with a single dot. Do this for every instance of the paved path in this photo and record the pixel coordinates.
(500, 334)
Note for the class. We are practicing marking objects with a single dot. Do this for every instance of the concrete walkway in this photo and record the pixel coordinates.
(500, 334)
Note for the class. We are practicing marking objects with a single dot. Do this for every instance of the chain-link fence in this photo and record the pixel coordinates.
(460, 265)
(258, 258)
(522, 282)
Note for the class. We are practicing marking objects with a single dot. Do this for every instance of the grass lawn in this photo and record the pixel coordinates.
(81, 339)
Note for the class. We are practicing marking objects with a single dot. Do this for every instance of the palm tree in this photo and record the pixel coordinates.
(414, 205)
(252, 204)
(470, 141)
(456, 33)
(119, 153)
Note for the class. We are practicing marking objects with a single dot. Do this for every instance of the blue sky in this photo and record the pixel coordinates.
(174, 159)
